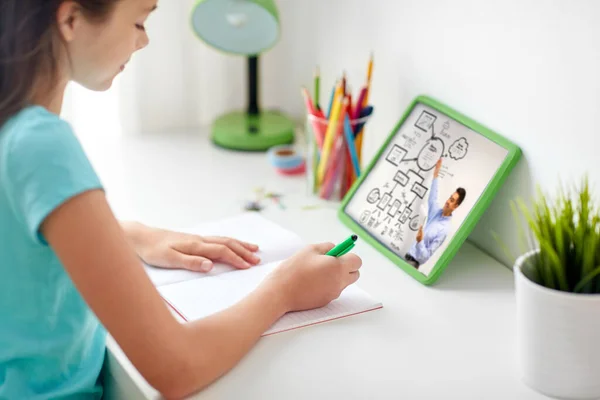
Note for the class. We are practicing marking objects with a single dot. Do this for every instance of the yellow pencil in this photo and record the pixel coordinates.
(370, 71)
(365, 103)
(329, 136)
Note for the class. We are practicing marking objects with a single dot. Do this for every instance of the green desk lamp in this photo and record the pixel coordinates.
(249, 28)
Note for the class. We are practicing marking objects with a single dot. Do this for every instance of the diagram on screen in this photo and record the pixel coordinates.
(398, 205)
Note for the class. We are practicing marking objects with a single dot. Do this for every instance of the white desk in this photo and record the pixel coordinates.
(451, 341)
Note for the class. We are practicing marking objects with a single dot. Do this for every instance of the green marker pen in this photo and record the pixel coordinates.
(343, 247)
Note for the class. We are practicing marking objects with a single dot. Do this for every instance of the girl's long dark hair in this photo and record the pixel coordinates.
(29, 44)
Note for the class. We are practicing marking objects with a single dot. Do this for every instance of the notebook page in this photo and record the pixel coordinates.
(275, 243)
(353, 300)
(202, 297)
(198, 298)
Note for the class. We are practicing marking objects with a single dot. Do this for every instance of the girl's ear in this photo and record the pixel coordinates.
(68, 19)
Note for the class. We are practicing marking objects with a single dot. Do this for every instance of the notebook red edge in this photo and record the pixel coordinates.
(289, 329)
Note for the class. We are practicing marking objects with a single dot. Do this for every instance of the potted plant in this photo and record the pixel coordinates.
(557, 284)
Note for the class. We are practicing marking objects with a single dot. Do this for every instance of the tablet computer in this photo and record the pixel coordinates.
(427, 186)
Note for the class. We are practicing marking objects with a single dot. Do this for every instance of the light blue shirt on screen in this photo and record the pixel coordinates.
(434, 231)
(51, 344)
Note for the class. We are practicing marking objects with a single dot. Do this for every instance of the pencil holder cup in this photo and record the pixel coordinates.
(334, 154)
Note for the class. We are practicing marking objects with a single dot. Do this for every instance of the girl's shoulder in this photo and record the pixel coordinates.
(33, 132)
(32, 119)
(42, 164)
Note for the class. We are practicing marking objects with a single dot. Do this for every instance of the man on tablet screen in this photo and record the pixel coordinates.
(438, 223)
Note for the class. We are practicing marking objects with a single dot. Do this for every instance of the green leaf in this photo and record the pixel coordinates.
(528, 217)
(567, 232)
(555, 267)
(597, 290)
(589, 253)
(587, 279)
(559, 235)
(578, 241)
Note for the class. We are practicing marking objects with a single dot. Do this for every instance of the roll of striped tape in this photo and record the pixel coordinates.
(285, 158)
(293, 171)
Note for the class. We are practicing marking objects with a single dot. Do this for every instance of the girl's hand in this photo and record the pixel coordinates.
(310, 279)
(168, 249)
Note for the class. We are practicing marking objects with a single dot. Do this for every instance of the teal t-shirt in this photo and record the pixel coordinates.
(51, 344)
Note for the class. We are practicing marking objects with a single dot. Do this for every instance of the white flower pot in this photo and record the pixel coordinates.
(558, 338)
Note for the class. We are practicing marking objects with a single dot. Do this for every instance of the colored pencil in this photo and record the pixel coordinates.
(366, 112)
(316, 124)
(338, 135)
(359, 138)
(348, 175)
(310, 108)
(331, 100)
(333, 170)
(349, 136)
(370, 70)
(329, 137)
(317, 132)
(360, 102)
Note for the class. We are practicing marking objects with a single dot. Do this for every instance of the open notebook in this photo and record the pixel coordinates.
(194, 295)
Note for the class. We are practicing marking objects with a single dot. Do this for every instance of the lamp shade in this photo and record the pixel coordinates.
(243, 27)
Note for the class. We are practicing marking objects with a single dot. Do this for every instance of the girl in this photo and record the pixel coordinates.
(69, 271)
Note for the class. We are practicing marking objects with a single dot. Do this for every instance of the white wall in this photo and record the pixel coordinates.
(530, 70)
(178, 82)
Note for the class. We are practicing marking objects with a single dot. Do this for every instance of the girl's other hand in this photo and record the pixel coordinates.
(169, 249)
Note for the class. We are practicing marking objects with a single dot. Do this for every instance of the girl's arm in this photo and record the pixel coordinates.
(178, 359)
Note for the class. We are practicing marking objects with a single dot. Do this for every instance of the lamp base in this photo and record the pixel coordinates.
(247, 132)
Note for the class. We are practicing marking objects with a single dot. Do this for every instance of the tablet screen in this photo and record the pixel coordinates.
(423, 186)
